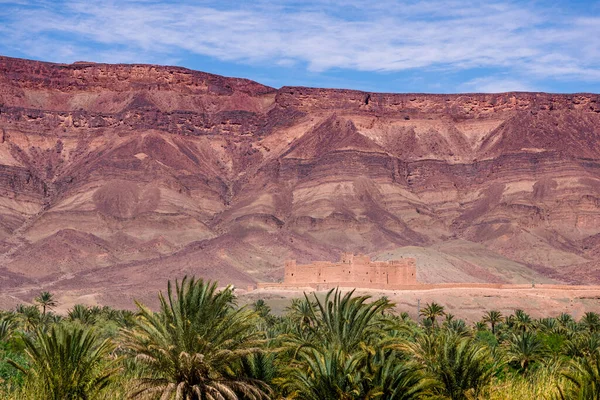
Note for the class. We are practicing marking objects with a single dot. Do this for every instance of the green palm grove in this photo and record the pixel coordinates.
(199, 344)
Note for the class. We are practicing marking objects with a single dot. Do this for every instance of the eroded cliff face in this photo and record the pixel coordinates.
(124, 174)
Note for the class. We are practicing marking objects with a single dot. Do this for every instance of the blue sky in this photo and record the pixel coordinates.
(437, 46)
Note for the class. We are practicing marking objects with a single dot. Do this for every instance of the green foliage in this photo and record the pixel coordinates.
(28, 317)
(200, 344)
(66, 363)
(46, 300)
(487, 337)
(345, 323)
(192, 348)
(348, 348)
(582, 378)
(591, 321)
(461, 365)
(264, 312)
(522, 321)
(431, 311)
(553, 342)
(84, 314)
(493, 318)
(7, 325)
(399, 379)
(524, 349)
(326, 375)
(10, 376)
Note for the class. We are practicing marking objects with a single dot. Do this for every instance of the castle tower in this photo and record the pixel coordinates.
(290, 274)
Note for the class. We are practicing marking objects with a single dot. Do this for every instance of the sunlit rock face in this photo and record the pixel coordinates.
(124, 175)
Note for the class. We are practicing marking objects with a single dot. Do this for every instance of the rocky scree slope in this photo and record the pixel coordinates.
(118, 176)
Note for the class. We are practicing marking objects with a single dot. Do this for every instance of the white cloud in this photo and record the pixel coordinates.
(326, 34)
(497, 85)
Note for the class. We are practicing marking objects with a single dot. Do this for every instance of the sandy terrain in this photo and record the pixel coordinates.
(464, 302)
(469, 303)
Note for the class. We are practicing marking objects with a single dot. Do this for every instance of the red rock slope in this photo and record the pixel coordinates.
(130, 174)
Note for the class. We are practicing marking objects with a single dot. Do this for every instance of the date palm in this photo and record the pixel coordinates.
(582, 378)
(493, 318)
(524, 349)
(83, 314)
(341, 359)
(465, 367)
(582, 345)
(29, 317)
(47, 301)
(548, 325)
(7, 326)
(522, 321)
(325, 375)
(462, 366)
(457, 326)
(399, 379)
(591, 321)
(346, 322)
(564, 319)
(300, 313)
(431, 311)
(67, 363)
(192, 348)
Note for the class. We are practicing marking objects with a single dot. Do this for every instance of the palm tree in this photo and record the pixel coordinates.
(300, 312)
(192, 348)
(564, 319)
(458, 326)
(399, 379)
(67, 363)
(261, 308)
(333, 375)
(549, 325)
(431, 311)
(29, 317)
(404, 316)
(582, 345)
(47, 301)
(83, 314)
(582, 378)
(522, 321)
(591, 321)
(326, 375)
(465, 367)
(479, 326)
(7, 325)
(345, 322)
(492, 317)
(343, 357)
(462, 366)
(260, 366)
(525, 348)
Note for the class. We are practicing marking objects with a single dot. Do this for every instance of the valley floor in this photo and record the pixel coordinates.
(466, 301)
(469, 302)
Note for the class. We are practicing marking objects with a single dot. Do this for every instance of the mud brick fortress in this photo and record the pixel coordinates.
(351, 271)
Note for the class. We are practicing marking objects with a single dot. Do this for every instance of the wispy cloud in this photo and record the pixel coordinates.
(495, 84)
(523, 39)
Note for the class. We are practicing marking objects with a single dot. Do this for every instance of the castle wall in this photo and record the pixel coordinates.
(353, 271)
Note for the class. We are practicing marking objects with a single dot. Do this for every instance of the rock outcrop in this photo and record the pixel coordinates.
(120, 174)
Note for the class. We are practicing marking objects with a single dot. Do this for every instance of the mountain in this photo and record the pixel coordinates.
(121, 176)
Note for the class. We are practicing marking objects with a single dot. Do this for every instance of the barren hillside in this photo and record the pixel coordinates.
(120, 176)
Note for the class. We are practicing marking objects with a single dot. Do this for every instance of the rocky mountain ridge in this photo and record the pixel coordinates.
(111, 175)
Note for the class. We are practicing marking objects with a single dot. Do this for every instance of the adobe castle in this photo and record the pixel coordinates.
(352, 271)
